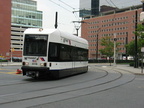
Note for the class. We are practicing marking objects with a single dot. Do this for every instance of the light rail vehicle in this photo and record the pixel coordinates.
(53, 53)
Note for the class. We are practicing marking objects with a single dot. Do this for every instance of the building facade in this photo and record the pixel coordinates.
(120, 22)
(105, 8)
(5, 27)
(24, 15)
(89, 8)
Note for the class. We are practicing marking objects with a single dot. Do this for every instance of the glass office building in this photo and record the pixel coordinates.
(89, 8)
(24, 15)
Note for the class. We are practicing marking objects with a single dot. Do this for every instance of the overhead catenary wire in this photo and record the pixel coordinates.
(64, 7)
(108, 2)
(113, 3)
(76, 16)
(67, 4)
(60, 6)
(72, 8)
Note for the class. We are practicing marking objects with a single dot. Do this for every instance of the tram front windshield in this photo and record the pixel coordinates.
(35, 45)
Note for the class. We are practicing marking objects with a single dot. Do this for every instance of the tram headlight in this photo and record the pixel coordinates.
(43, 64)
(25, 63)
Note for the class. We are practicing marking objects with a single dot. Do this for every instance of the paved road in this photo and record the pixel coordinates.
(102, 87)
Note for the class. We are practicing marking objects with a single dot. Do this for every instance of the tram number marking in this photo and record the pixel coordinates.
(34, 63)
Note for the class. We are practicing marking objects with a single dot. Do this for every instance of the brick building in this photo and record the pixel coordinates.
(5, 27)
(120, 22)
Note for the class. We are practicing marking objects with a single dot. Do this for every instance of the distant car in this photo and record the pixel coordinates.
(128, 58)
(17, 59)
(2, 58)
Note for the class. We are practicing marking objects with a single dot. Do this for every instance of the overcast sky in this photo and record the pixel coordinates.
(65, 10)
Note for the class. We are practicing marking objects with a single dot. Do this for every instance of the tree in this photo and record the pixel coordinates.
(131, 47)
(140, 31)
(140, 42)
(108, 45)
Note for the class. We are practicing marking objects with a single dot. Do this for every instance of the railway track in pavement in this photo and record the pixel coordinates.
(31, 93)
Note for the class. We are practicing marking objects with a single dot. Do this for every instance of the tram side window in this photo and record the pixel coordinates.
(53, 52)
(82, 54)
(79, 54)
(60, 52)
(65, 53)
(75, 54)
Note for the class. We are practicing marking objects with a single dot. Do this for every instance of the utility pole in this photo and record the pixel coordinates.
(126, 42)
(97, 44)
(136, 48)
(97, 48)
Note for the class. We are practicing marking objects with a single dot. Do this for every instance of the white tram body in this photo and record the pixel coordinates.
(54, 53)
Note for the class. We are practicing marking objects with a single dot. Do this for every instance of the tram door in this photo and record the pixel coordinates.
(74, 59)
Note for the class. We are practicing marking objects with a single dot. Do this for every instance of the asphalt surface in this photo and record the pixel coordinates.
(126, 96)
(129, 95)
(104, 86)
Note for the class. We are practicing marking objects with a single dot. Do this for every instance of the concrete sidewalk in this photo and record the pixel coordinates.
(10, 63)
(137, 71)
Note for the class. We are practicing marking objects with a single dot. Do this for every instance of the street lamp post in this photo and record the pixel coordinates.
(115, 39)
(126, 42)
(77, 27)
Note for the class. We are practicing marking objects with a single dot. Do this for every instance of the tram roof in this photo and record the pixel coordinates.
(56, 31)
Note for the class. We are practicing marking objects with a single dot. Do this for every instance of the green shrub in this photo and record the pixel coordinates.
(3, 60)
(132, 64)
